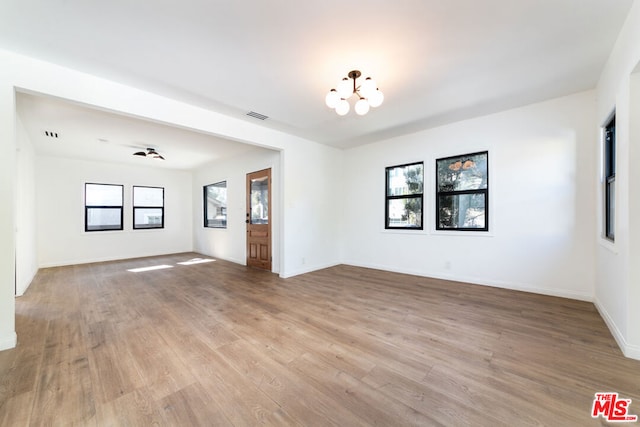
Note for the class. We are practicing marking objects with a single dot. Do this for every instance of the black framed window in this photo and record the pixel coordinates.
(462, 192)
(215, 205)
(148, 207)
(610, 178)
(404, 196)
(103, 207)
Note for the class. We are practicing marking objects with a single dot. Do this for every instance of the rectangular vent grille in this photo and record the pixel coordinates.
(51, 134)
(257, 115)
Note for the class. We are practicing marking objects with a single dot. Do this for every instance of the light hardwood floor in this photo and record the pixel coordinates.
(220, 344)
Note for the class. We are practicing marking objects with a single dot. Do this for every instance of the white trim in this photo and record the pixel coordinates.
(288, 274)
(462, 233)
(108, 259)
(607, 244)
(562, 293)
(21, 288)
(630, 351)
(405, 231)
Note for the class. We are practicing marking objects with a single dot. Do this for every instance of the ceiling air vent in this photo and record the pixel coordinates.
(51, 134)
(257, 115)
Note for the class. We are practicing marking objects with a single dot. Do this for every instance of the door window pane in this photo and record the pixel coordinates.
(260, 200)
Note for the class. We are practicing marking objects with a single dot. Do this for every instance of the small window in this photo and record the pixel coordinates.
(148, 207)
(215, 205)
(610, 179)
(103, 207)
(462, 187)
(404, 196)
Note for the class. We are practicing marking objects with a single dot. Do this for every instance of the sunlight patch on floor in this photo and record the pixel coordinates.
(196, 261)
(150, 268)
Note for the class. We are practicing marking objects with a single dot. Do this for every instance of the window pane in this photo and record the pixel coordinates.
(147, 218)
(260, 201)
(215, 207)
(148, 196)
(611, 209)
(462, 211)
(462, 173)
(405, 180)
(104, 219)
(404, 213)
(103, 195)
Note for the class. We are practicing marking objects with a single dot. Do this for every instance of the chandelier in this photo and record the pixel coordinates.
(368, 95)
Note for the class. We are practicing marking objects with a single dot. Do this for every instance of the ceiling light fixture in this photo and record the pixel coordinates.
(368, 95)
(151, 152)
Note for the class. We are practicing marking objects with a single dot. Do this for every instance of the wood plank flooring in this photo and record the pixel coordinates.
(218, 344)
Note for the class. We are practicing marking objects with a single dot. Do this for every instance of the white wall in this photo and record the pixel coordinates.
(618, 272)
(60, 212)
(26, 250)
(313, 182)
(542, 206)
(230, 243)
(8, 162)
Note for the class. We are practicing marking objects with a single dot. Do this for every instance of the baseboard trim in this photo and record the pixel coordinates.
(288, 274)
(108, 259)
(630, 351)
(562, 293)
(22, 288)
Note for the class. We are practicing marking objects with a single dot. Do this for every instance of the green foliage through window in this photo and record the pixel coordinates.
(462, 187)
(404, 196)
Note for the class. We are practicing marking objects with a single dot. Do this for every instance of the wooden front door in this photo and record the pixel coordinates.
(259, 214)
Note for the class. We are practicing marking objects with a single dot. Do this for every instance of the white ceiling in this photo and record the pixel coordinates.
(87, 133)
(436, 61)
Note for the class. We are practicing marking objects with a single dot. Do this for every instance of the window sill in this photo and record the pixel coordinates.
(404, 231)
(462, 233)
(608, 244)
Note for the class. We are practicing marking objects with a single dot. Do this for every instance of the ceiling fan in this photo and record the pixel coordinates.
(151, 152)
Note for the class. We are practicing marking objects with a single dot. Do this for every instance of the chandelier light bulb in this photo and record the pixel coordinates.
(342, 108)
(367, 92)
(332, 98)
(376, 98)
(362, 107)
(368, 87)
(345, 88)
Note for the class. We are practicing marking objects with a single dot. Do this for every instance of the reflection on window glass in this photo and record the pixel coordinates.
(405, 213)
(260, 201)
(610, 179)
(215, 205)
(462, 211)
(463, 191)
(103, 219)
(148, 207)
(404, 195)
